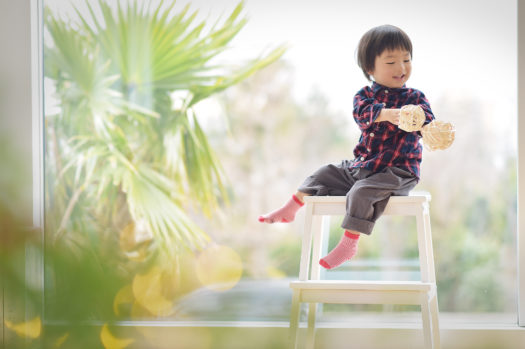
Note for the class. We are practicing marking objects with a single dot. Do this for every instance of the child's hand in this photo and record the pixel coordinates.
(390, 115)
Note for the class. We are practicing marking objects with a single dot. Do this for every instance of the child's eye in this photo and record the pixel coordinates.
(407, 61)
(389, 62)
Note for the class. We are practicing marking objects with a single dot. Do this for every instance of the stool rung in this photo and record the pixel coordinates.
(362, 285)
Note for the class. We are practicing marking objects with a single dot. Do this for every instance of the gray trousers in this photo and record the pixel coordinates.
(366, 192)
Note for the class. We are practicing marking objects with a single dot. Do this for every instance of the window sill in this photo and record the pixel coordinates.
(458, 331)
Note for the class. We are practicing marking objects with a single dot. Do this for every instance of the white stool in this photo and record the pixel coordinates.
(310, 289)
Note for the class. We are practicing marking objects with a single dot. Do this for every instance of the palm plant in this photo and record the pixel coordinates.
(124, 157)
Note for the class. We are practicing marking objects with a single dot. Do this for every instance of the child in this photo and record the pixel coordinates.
(386, 158)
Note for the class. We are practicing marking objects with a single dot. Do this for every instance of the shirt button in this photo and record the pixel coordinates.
(368, 122)
(362, 158)
(386, 91)
(372, 134)
(368, 149)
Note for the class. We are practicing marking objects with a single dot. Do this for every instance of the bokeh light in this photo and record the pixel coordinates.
(123, 299)
(111, 342)
(27, 329)
(148, 292)
(219, 268)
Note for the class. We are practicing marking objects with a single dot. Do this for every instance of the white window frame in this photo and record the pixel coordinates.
(37, 104)
(467, 334)
(521, 163)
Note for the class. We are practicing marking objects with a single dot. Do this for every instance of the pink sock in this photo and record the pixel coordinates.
(345, 249)
(284, 214)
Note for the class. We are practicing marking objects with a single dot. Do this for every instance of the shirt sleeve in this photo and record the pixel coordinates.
(423, 103)
(366, 111)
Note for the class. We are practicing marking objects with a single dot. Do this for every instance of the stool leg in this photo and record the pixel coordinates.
(294, 319)
(430, 249)
(427, 329)
(318, 233)
(422, 240)
(304, 268)
(434, 310)
(310, 341)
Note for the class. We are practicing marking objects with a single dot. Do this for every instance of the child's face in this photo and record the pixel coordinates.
(392, 68)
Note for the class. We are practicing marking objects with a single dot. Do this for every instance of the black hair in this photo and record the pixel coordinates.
(377, 40)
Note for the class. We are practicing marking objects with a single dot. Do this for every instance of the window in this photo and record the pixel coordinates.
(269, 132)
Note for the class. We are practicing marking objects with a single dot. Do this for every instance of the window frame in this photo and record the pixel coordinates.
(35, 96)
(521, 163)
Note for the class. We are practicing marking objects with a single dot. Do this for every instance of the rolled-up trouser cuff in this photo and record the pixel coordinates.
(357, 224)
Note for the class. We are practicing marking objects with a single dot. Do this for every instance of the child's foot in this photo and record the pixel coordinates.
(345, 249)
(284, 214)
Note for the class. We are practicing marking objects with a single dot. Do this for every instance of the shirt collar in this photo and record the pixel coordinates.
(378, 87)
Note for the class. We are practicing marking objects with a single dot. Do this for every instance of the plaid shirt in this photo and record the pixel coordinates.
(383, 144)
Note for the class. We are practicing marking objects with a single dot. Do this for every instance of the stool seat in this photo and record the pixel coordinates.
(397, 205)
(413, 197)
(311, 289)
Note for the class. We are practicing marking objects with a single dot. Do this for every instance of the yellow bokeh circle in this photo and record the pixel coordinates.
(219, 268)
(148, 292)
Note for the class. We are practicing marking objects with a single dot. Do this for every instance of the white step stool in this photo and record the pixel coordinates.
(310, 289)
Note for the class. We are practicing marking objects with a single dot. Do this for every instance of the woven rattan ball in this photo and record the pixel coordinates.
(438, 135)
(411, 118)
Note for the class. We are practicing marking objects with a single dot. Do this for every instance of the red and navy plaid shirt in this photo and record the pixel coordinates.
(383, 144)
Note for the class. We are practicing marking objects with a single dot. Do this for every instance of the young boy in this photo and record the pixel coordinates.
(386, 159)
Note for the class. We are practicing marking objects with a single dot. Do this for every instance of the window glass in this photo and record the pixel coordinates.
(167, 135)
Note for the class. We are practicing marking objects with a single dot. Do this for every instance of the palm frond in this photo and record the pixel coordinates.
(221, 83)
(150, 200)
(117, 133)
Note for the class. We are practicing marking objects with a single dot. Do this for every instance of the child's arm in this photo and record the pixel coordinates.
(367, 111)
(390, 115)
(423, 103)
(366, 108)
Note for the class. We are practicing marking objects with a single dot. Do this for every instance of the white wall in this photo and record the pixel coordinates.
(15, 121)
(15, 94)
